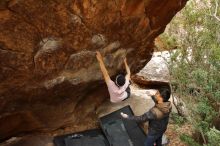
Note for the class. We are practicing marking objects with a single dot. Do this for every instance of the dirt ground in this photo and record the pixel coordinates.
(173, 133)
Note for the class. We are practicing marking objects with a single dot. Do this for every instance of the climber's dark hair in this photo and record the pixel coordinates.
(120, 80)
(165, 93)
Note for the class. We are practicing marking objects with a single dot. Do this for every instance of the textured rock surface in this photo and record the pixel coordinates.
(29, 140)
(156, 71)
(49, 77)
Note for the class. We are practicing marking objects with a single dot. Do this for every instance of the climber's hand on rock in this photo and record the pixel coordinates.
(98, 55)
(124, 115)
(125, 60)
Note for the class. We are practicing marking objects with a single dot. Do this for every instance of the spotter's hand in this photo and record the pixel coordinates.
(124, 115)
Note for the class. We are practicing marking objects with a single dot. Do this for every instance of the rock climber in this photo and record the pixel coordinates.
(119, 89)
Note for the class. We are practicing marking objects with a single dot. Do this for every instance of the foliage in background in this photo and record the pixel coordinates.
(178, 120)
(195, 66)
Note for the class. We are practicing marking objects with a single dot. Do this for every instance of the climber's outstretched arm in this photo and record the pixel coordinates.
(128, 75)
(102, 66)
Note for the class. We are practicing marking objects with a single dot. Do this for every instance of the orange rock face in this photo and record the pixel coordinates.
(49, 76)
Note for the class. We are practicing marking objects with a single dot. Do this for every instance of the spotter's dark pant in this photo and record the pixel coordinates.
(151, 139)
(128, 90)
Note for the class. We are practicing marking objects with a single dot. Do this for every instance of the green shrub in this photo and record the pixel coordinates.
(195, 66)
(189, 140)
(177, 119)
(213, 137)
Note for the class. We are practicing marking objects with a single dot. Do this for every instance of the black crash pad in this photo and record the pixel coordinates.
(132, 130)
(93, 137)
(116, 133)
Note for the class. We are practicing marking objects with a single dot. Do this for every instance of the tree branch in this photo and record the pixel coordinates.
(203, 136)
(216, 10)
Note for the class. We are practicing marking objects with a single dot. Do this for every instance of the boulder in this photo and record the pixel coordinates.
(155, 72)
(49, 76)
